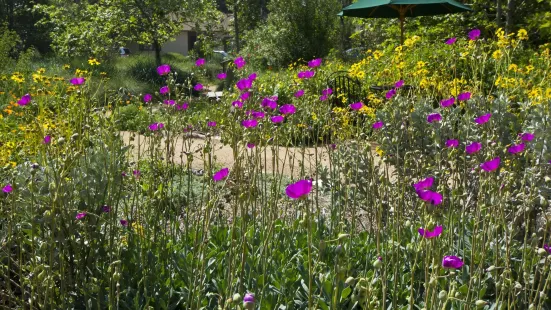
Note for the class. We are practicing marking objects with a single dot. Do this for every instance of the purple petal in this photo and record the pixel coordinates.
(220, 175)
(491, 165)
(299, 189)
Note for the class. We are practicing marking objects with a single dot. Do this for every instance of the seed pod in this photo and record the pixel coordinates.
(350, 281)
(443, 295)
(236, 297)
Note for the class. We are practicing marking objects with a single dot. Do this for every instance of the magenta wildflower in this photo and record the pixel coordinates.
(473, 147)
(399, 84)
(452, 262)
(447, 102)
(268, 102)
(258, 114)
(147, 98)
(137, 173)
(327, 91)
(490, 165)
(80, 216)
(78, 81)
(198, 87)
(464, 96)
(287, 109)
(430, 196)
(105, 209)
(163, 69)
(239, 62)
(425, 183)
(124, 223)
(314, 63)
(323, 97)
(211, 124)
(390, 93)
(356, 106)
(378, 125)
(164, 90)
(435, 117)
(250, 145)
(7, 189)
(24, 100)
(483, 118)
(516, 148)
(248, 301)
(182, 107)
(221, 174)
(547, 247)
(474, 34)
(527, 136)
(199, 62)
(47, 140)
(452, 143)
(237, 104)
(249, 123)
(244, 84)
(277, 119)
(221, 76)
(299, 189)
(252, 77)
(299, 93)
(156, 126)
(451, 41)
(244, 96)
(437, 231)
(169, 102)
(305, 74)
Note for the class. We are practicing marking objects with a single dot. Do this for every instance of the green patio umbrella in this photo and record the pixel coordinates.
(401, 9)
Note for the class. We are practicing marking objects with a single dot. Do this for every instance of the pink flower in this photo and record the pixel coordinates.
(452, 143)
(184, 106)
(221, 76)
(526, 137)
(390, 93)
(474, 34)
(147, 98)
(80, 216)
(250, 145)
(305, 74)
(258, 114)
(24, 100)
(244, 96)
(277, 119)
(268, 102)
(221, 175)
(323, 97)
(516, 148)
(299, 189)
(447, 102)
(249, 123)
(78, 81)
(327, 91)
(464, 96)
(399, 84)
(356, 106)
(435, 117)
(163, 69)
(198, 87)
(473, 147)
(451, 41)
(431, 234)
(199, 62)
(314, 63)
(491, 165)
(378, 125)
(430, 196)
(124, 223)
(452, 262)
(7, 189)
(156, 126)
(239, 62)
(169, 102)
(237, 104)
(287, 109)
(164, 90)
(211, 124)
(47, 140)
(483, 119)
(299, 93)
(425, 183)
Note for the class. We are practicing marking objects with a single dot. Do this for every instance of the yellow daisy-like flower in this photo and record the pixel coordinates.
(522, 34)
(66, 66)
(93, 62)
(529, 68)
(497, 54)
(513, 67)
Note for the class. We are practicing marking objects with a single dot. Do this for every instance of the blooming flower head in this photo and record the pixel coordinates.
(390, 93)
(80, 216)
(239, 62)
(327, 91)
(491, 165)
(516, 148)
(156, 126)
(250, 145)
(452, 143)
(483, 118)
(244, 84)
(163, 69)
(547, 247)
(452, 262)
(323, 97)
(211, 124)
(378, 125)
(164, 90)
(147, 98)
(252, 76)
(198, 87)
(399, 84)
(7, 189)
(237, 104)
(169, 102)
(199, 62)
(527, 136)
(249, 123)
(78, 81)
(451, 41)
(221, 174)
(47, 139)
(299, 189)
(182, 107)
(124, 223)
(287, 109)
(221, 76)
(435, 117)
(136, 173)
(268, 102)
(299, 93)
(429, 196)
(447, 102)
(277, 119)
(431, 234)
(474, 34)
(106, 209)
(24, 100)
(314, 63)
(305, 74)
(425, 183)
(356, 106)
(464, 96)
(248, 301)
(244, 96)
(258, 114)
(473, 147)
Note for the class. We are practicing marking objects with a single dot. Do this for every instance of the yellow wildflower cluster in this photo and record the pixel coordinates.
(93, 62)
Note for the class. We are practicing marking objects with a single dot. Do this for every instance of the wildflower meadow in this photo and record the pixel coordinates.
(430, 193)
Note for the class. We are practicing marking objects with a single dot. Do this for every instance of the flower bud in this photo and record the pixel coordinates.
(343, 236)
(542, 251)
(350, 281)
(248, 301)
(236, 297)
(491, 268)
(480, 304)
(443, 295)
(378, 264)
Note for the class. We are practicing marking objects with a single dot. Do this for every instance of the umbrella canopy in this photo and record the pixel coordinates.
(402, 9)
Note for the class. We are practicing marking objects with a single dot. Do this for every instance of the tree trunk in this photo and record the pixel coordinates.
(509, 21)
(157, 48)
(236, 26)
(263, 10)
(499, 13)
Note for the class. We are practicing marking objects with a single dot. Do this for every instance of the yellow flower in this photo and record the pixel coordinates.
(379, 151)
(314, 116)
(66, 66)
(497, 54)
(93, 62)
(513, 67)
(522, 34)
(548, 93)
(529, 68)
